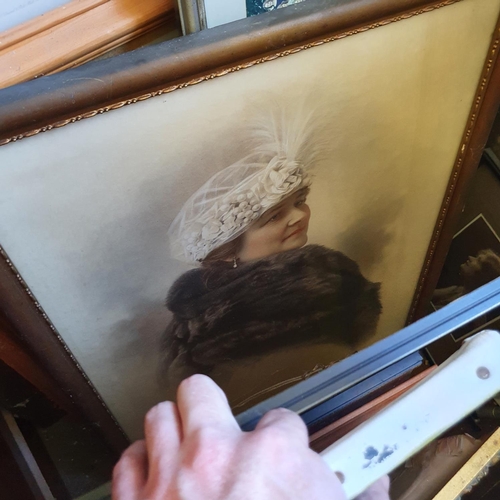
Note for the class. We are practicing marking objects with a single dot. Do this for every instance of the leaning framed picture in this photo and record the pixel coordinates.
(254, 202)
(473, 257)
(196, 15)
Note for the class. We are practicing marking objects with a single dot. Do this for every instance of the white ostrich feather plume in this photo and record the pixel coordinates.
(282, 152)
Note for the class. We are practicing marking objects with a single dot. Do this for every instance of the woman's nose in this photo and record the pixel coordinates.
(296, 215)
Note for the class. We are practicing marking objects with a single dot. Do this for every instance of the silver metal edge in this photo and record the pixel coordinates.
(191, 16)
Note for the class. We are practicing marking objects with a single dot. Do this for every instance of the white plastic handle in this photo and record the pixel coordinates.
(461, 384)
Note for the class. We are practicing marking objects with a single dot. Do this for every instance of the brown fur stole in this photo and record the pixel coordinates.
(311, 294)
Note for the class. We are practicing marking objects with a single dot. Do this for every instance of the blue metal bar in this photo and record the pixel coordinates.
(317, 414)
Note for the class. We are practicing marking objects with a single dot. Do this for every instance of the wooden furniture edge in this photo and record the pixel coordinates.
(46, 21)
(20, 453)
(74, 33)
(162, 22)
(333, 432)
(17, 357)
(474, 469)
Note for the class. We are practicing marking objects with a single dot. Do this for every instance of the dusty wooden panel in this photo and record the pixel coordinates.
(73, 34)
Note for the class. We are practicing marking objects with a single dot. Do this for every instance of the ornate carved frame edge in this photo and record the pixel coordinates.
(58, 100)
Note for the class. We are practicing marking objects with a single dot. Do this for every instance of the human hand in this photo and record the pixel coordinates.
(196, 450)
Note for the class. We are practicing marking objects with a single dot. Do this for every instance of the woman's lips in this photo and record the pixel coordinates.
(296, 232)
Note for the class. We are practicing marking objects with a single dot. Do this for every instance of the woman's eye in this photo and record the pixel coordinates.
(275, 217)
(298, 203)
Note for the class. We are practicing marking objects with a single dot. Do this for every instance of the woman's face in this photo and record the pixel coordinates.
(281, 228)
(474, 264)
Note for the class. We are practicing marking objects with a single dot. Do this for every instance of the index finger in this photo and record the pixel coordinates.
(201, 403)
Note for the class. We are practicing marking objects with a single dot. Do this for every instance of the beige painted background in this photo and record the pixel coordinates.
(84, 209)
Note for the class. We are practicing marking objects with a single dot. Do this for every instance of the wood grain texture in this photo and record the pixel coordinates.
(75, 33)
(46, 21)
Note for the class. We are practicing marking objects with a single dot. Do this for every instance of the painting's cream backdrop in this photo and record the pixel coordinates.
(84, 209)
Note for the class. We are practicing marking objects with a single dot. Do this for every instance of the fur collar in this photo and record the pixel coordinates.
(305, 295)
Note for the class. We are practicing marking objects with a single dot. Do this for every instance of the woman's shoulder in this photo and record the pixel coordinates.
(186, 287)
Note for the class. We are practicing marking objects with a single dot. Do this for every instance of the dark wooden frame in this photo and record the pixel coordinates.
(58, 100)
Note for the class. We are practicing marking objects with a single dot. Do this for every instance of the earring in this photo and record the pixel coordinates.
(235, 262)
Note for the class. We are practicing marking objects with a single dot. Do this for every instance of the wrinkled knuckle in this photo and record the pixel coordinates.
(206, 438)
(205, 447)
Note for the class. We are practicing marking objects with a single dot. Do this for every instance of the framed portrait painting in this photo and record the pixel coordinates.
(257, 212)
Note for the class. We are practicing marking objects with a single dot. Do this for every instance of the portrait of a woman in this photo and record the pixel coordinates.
(476, 271)
(262, 309)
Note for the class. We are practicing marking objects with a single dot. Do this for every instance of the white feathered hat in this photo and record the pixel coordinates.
(222, 209)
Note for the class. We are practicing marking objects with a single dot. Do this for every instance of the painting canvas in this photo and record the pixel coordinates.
(264, 308)
(269, 208)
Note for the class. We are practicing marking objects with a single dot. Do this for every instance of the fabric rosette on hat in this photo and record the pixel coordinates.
(229, 202)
